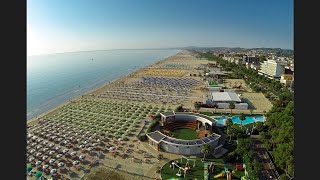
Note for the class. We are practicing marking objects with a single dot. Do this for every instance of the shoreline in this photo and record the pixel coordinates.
(87, 93)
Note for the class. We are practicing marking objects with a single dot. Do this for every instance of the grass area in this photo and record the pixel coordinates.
(184, 133)
(197, 172)
(214, 85)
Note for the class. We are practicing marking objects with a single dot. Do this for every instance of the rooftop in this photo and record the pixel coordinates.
(159, 137)
(225, 96)
(166, 114)
(156, 136)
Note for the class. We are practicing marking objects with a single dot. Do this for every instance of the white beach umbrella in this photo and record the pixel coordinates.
(44, 157)
(31, 159)
(81, 157)
(51, 152)
(53, 171)
(38, 154)
(52, 161)
(75, 163)
(60, 164)
(38, 163)
(59, 156)
(45, 167)
(65, 151)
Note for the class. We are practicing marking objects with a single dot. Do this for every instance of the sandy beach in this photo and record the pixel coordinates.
(103, 124)
(111, 116)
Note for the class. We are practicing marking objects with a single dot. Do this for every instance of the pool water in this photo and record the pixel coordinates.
(236, 120)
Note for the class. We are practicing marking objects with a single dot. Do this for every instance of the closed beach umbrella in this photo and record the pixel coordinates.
(29, 168)
(38, 174)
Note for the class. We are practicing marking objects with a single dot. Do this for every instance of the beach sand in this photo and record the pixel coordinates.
(183, 57)
(97, 112)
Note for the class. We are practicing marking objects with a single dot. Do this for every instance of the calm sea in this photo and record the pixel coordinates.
(56, 78)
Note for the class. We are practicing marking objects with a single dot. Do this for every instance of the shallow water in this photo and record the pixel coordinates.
(56, 78)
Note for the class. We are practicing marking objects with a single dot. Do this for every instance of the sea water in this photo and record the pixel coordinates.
(56, 78)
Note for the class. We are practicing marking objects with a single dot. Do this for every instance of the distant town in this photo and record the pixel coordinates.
(274, 63)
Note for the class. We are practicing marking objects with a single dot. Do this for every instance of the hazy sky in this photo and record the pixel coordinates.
(79, 25)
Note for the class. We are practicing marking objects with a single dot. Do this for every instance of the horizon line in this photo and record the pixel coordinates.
(185, 47)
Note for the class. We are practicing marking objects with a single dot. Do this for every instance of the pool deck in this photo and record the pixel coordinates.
(224, 118)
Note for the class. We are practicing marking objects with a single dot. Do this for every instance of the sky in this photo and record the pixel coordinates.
(56, 26)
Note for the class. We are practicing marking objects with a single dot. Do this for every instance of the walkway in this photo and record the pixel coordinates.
(261, 155)
(166, 158)
(205, 171)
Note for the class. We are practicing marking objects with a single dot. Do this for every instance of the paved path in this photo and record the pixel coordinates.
(150, 94)
(166, 158)
(262, 157)
(205, 171)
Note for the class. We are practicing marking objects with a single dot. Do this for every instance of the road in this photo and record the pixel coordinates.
(262, 157)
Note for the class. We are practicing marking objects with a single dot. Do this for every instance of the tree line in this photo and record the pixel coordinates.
(277, 134)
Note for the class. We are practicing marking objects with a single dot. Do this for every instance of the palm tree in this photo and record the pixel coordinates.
(197, 106)
(229, 123)
(242, 117)
(205, 149)
(231, 106)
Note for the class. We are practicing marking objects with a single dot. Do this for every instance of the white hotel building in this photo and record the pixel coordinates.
(272, 68)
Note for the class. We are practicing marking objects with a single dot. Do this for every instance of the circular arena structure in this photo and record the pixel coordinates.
(162, 139)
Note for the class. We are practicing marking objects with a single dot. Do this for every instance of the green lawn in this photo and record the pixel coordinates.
(197, 172)
(184, 133)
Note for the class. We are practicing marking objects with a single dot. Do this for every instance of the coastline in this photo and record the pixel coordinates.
(87, 93)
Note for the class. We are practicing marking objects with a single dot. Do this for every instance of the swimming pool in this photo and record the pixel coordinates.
(221, 120)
